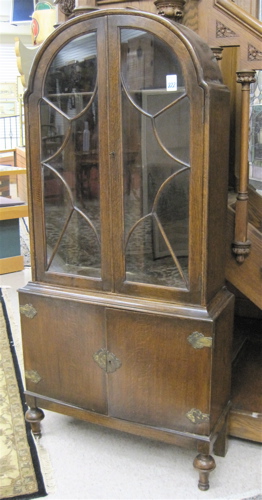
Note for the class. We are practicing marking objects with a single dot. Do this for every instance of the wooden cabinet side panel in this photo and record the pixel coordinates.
(218, 133)
(222, 358)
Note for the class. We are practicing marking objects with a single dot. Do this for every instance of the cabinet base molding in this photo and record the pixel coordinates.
(204, 463)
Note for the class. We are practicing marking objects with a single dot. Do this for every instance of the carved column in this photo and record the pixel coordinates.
(65, 9)
(217, 51)
(83, 6)
(173, 9)
(69, 8)
(241, 246)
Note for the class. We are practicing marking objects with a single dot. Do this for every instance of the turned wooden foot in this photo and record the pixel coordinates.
(34, 416)
(204, 464)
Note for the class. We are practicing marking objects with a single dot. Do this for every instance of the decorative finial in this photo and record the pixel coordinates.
(66, 6)
(173, 9)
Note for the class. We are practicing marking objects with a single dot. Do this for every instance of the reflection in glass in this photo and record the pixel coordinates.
(73, 71)
(156, 160)
(54, 130)
(255, 144)
(70, 160)
(77, 251)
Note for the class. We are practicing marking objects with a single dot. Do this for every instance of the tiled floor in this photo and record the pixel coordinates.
(89, 462)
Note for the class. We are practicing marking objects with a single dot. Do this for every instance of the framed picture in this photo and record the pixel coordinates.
(8, 91)
(8, 108)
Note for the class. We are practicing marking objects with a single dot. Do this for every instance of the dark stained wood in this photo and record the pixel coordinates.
(163, 372)
(245, 419)
(138, 357)
(229, 66)
(255, 209)
(183, 439)
(34, 416)
(245, 425)
(249, 362)
(221, 363)
(217, 188)
(239, 274)
(68, 333)
(205, 464)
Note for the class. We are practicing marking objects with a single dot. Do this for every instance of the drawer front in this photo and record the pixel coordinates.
(59, 340)
(164, 380)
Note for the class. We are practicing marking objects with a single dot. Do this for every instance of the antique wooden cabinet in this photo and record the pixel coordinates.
(127, 322)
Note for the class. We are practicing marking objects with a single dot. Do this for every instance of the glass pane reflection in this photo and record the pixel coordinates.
(78, 249)
(255, 139)
(73, 71)
(70, 160)
(156, 158)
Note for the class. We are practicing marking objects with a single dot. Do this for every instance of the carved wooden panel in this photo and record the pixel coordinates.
(230, 25)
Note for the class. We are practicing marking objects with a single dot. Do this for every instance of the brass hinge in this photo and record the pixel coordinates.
(28, 310)
(107, 360)
(198, 340)
(197, 417)
(33, 376)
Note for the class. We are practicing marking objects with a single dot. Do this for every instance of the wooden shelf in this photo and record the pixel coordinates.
(14, 212)
(245, 420)
(8, 170)
(11, 264)
(69, 94)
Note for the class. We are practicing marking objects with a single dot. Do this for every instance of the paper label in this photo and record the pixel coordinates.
(171, 82)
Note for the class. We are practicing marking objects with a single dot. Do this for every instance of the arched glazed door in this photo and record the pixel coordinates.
(120, 158)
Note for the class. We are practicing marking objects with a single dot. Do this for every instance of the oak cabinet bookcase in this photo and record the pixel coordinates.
(127, 322)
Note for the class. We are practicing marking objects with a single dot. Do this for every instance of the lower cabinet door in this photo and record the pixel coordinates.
(163, 380)
(60, 338)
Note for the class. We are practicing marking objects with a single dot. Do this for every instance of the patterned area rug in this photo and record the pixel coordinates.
(20, 474)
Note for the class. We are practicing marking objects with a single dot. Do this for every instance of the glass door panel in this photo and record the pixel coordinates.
(156, 159)
(70, 160)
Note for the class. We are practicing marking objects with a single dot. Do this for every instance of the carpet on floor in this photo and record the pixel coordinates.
(20, 473)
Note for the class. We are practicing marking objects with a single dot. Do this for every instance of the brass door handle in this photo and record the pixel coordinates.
(107, 360)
